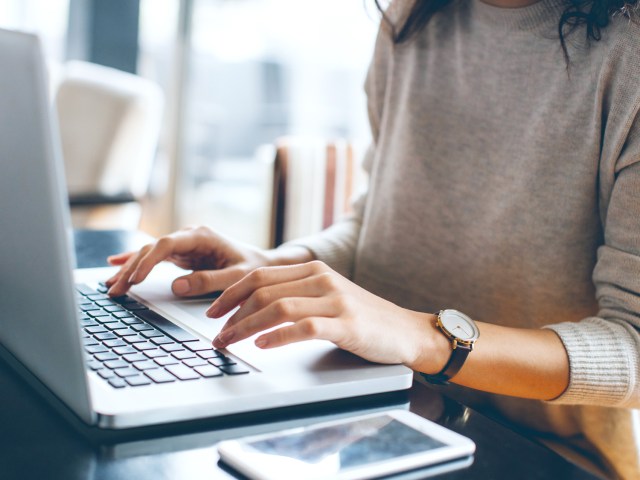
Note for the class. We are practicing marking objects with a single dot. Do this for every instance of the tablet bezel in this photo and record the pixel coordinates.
(240, 455)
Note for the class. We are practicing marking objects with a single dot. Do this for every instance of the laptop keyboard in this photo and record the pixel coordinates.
(129, 345)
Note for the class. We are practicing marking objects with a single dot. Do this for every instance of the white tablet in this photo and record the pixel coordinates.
(361, 447)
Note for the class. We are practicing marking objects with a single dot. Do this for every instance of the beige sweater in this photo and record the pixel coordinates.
(507, 187)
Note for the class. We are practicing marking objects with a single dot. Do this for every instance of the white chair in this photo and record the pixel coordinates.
(109, 125)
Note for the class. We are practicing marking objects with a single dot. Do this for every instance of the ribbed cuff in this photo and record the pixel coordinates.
(603, 362)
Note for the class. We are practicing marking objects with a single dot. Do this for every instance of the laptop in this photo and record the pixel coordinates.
(144, 359)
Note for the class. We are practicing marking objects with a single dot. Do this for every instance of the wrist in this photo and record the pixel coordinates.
(288, 255)
(433, 349)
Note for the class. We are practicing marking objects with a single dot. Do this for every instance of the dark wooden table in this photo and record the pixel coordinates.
(37, 442)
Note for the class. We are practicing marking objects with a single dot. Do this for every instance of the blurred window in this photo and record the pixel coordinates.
(257, 70)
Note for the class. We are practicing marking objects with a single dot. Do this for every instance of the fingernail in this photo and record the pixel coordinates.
(181, 286)
(262, 342)
(214, 310)
(223, 338)
(132, 278)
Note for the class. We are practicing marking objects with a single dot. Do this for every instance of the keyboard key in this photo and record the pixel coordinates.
(209, 354)
(134, 306)
(114, 364)
(95, 365)
(155, 353)
(113, 308)
(138, 381)
(84, 289)
(123, 299)
(97, 329)
(141, 327)
(134, 339)
(183, 354)
(106, 336)
(115, 343)
(89, 323)
(159, 375)
(126, 315)
(162, 340)
(164, 361)
(145, 365)
(134, 357)
(125, 350)
(85, 307)
(127, 372)
(155, 334)
(106, 320)
(116, 325)
(97, 297)
(219, 362)
(198, 345)
(123, 332)
(97, 313)
(194, 362)
(171, 347)
(96, 349)
(182, 372)
(166, 326)
(208, 371)
(89, 341)
(106, 356)
(117, 382)
(144, 346)
(231, 369)
(106, 374)
(105, 303)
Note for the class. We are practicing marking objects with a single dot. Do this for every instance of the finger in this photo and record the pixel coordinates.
(119, 284)
(261, 277)
(206, 281)
(263, 297)
(162, 249)
(120, 258)
(125, 264)
(281, 311)
(306, 329)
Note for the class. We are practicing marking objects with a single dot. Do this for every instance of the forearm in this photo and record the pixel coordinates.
(509, 361)
(288, 255)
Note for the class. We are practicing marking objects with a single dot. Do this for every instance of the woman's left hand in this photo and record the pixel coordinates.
(317, 302)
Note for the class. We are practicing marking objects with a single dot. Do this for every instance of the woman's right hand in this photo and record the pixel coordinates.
(217, 262)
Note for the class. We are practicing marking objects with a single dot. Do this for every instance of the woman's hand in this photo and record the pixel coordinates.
(217, 261)
(320, 303)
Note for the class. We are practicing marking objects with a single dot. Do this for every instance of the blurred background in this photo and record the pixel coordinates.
(235, 75)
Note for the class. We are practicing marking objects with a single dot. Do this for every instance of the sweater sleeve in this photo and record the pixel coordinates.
(604, 351)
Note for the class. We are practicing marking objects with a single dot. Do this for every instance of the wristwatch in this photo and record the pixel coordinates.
(463, 333)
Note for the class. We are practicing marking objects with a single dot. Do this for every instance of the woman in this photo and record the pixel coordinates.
(505, 184)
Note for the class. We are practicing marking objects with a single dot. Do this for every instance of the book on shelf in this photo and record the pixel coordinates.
(313, 184)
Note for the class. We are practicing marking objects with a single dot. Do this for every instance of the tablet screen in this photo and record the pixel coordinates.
(349, 444)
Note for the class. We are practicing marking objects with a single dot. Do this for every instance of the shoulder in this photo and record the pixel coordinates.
(613, 62)
(620, 42)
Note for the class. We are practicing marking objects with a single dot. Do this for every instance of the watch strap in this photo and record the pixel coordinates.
(452, 367)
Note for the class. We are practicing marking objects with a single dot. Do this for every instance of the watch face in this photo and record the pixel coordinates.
(459, 325)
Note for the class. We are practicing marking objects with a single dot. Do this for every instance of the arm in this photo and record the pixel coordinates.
(594, 361)
(320, 303)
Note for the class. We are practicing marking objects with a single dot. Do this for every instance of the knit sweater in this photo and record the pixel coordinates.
(507, 186)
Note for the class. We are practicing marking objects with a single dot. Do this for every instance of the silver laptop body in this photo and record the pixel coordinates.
(39, 322)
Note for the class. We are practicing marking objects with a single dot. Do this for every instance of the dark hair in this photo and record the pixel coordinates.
(593, 14)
